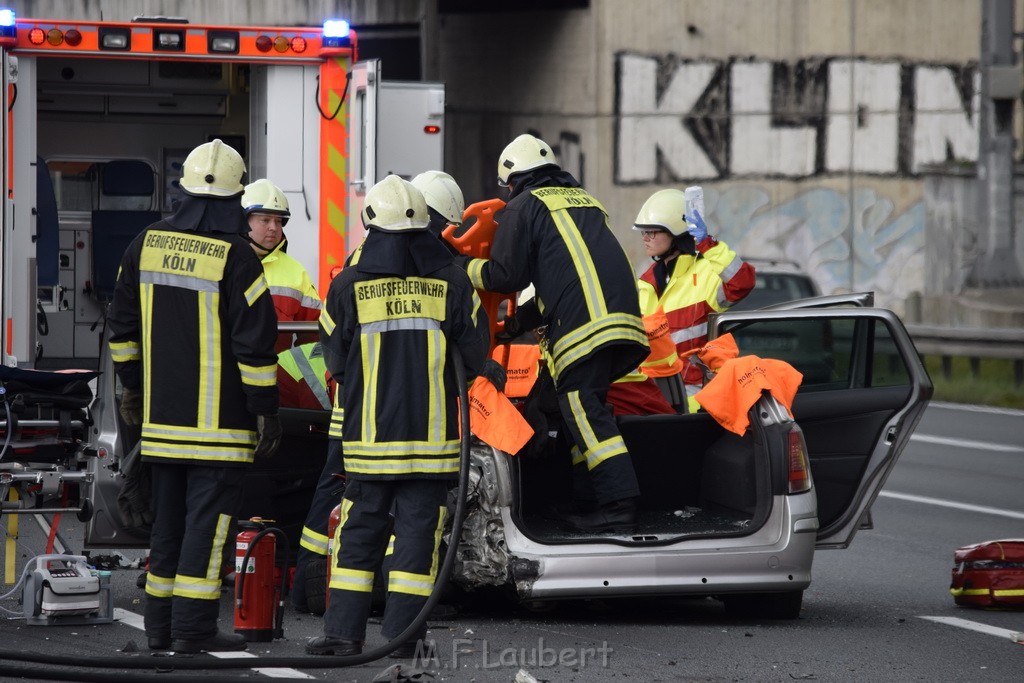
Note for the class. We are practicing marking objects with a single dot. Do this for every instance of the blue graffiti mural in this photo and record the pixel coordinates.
(858, 245)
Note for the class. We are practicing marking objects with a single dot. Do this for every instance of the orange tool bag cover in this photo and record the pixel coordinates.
(989, 574)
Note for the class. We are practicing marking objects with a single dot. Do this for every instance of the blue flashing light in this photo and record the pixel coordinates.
(7, 18)
(335, 28)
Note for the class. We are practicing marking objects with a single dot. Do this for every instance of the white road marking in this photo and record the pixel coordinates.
(135, 621)
(968, 443)
(1012, 514)
(1013, 636)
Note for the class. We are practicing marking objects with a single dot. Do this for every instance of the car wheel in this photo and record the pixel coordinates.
(316, 586)
(765, 605)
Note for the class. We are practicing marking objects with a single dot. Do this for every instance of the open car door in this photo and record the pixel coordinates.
(864, 390)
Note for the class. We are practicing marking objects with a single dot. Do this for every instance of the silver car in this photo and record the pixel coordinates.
(735, 518)
(738, 518)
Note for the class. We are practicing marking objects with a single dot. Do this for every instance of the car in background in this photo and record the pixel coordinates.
(778, 281)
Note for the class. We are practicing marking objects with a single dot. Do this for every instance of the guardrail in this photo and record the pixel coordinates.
(973, 343)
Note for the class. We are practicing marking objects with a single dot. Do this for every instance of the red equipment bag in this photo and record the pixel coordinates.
(989, 575)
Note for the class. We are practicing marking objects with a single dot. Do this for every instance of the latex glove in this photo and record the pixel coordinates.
(268, 428)
(131, 407)
(134, 500)
(494, 373)
(696, 226)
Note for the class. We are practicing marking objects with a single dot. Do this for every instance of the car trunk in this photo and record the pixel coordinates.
(696, 480)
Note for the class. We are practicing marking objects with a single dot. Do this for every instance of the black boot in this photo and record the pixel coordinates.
(329, 645)
(619, 515)
(219, 642)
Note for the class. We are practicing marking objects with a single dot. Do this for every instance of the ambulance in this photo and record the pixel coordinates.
(100, 116)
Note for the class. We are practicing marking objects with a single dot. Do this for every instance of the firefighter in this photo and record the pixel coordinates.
(445, 204)
(295, 296)
(388, 318)
(693, 274)
(554, 234)
(192, 338)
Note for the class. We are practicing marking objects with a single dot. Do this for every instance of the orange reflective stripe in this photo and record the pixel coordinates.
(663, 360)
(522, 363)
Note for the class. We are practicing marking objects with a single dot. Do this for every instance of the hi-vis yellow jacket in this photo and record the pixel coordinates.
(388, 320)
(193, 326)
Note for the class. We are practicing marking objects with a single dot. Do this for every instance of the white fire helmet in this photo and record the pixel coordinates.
(212, 169)
(395, 205)
(525, 153)
(442, 194)
(663, 210)
(264, 196)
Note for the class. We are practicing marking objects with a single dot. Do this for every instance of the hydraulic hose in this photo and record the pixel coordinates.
(76, 668)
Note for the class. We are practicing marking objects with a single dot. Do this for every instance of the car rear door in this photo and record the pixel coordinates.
(864, 390)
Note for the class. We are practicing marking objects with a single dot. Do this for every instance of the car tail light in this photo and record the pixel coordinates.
(799, 466)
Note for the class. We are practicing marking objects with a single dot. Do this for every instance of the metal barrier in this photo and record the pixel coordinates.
(973, 343)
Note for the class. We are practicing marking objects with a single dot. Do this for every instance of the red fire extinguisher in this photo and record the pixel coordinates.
(259, 590)
(332, 526)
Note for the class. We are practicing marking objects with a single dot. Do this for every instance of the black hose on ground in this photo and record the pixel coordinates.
(66, 668)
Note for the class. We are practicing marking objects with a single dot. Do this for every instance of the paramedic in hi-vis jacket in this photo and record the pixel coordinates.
(388, 323)
(693, 274)
(192, 338)
(295, 297)
(554, 234)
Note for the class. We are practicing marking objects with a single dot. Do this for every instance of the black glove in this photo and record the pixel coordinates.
(268, 428)
(134, 500)
(131, 407)
(511, 329)
(494, 373)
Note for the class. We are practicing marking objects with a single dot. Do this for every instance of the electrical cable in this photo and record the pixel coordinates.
(66, 667)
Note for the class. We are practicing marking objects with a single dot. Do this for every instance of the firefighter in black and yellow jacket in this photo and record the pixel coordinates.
(387, 327)
(192, 338)
(554, 234)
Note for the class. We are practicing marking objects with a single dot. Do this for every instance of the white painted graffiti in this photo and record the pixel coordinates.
(683, 120)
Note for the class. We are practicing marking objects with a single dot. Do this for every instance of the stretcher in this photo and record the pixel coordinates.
(44, 424)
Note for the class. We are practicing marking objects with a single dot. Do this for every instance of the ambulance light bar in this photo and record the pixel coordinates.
(335, 33)
(8, 26)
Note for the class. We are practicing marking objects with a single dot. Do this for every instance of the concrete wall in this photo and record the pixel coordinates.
(808, 123)
(811, 124)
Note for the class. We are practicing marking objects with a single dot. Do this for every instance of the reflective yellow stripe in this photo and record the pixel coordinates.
(122, 352)
(475, 270)
(327, 322)
(258, 375)
(1008, 592)
(391, 546)
(257, 288)
(410, 584)
(370, 354)
(593, 293)
(159, 586)
(352, 580)
(313, 541)
(597, 451)
(436, 348)
(209, 360)
(376, 465)
(146, 322)
(196, 587)
(217, 548)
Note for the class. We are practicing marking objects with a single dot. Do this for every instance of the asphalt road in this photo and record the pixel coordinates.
(877, 611)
